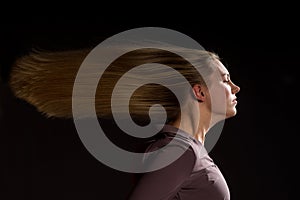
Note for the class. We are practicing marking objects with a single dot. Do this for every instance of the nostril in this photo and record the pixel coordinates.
(235, 89)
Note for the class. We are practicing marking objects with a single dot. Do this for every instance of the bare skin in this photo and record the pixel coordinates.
(220, 84)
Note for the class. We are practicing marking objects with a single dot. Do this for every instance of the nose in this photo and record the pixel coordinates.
(234, 88)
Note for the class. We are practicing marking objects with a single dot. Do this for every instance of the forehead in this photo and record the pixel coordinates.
(221, 68)
(219, 72)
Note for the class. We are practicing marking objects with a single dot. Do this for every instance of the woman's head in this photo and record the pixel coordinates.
(218, 98)
(60, 68)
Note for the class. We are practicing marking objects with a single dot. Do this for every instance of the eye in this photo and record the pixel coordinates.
(226, 79)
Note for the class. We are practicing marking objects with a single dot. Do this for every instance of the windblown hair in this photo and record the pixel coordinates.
(45, 79)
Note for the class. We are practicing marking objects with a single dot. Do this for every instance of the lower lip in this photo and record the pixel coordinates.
(234, 101)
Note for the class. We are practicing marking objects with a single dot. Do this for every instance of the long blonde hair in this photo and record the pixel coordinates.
(45, 79)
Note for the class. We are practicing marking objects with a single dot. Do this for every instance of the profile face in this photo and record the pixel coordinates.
(222, 93)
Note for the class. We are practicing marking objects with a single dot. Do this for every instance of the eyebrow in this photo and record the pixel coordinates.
(226, 74)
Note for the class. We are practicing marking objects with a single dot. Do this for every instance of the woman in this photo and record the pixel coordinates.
(193, 175)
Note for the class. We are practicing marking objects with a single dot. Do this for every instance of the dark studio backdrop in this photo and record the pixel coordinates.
(44, 158)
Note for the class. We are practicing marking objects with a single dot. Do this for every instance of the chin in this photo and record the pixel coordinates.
(231, 113)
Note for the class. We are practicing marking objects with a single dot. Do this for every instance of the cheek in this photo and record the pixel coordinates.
(218, 98)
(227, 92)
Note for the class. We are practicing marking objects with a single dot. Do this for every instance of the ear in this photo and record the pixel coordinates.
(199, 92)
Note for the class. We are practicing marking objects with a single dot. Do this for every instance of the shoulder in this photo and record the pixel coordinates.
(168, 148)
(169, 141)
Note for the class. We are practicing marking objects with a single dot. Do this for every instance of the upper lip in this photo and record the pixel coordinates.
(234, 99)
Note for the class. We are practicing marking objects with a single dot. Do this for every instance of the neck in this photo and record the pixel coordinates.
(194, 127)
(203, 128)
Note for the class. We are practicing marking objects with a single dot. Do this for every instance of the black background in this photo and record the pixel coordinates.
(45, 159)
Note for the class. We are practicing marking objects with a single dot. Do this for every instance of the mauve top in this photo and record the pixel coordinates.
(192, 176)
